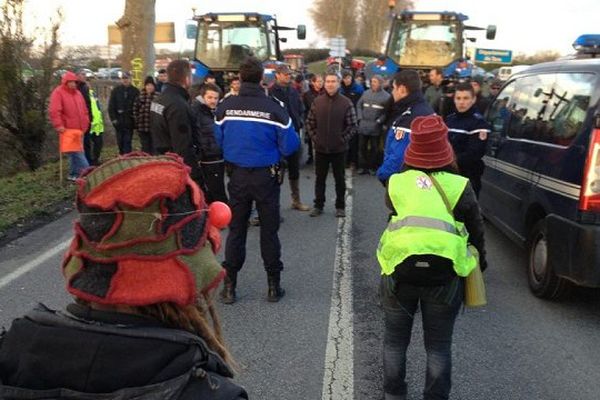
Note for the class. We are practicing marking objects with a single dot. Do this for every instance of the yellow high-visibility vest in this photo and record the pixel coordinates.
(423, 224)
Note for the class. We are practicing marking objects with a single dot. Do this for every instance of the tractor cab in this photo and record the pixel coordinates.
(224, 40)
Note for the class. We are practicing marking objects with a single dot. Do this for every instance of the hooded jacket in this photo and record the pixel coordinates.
(67, 107)
(88, 354)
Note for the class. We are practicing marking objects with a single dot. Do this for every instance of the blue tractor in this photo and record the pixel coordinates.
(224, 40)
(424, 40)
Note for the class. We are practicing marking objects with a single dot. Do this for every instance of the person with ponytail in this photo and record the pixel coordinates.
(142, 271)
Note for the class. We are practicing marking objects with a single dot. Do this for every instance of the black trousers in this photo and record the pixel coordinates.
(368, 151)
(337, 161)
(214, 181)
(124, 137)
(95, 143)
(245, 186)
(146, 140)
(293, 165)
(87, 147)
(353, 151)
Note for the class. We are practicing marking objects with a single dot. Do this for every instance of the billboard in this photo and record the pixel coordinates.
(164, 32)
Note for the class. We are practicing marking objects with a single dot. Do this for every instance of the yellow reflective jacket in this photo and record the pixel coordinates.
(423, 224)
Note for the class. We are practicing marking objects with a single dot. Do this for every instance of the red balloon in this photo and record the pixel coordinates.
(219, 214)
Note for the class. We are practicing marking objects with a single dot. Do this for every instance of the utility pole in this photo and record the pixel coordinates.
(137, 27)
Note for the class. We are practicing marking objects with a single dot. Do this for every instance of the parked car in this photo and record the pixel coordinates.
(109, 73)
(541, 184)
(89, 74)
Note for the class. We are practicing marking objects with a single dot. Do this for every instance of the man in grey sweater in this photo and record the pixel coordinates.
(370, 111)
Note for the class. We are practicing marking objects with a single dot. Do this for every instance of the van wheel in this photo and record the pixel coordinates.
(543, 282)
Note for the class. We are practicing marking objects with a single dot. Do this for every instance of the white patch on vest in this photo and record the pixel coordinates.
(422, 264)
(423, 182)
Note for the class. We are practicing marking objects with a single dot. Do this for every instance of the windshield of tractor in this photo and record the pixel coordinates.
(224, 45)
(424, 44)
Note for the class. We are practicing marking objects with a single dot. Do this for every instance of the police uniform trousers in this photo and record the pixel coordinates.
(261, 186)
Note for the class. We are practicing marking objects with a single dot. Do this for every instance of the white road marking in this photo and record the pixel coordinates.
(338, 381)
(36, 262)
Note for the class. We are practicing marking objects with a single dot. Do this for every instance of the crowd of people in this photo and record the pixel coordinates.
(425, 146)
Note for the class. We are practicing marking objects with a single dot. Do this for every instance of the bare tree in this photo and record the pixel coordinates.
(137, 33)
(374, 22)
(537, 57)
(336, 17)
(24, 92)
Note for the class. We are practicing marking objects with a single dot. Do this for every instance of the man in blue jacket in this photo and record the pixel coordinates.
(284, 92)
(255, 132)
(409, 103)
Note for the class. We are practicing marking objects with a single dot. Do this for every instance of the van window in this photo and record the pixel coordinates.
(529, 116)
(568, 105)
(498, 112)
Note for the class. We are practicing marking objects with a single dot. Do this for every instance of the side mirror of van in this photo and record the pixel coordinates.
(490, 33)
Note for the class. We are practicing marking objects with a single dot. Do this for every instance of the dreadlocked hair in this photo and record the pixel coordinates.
(193, 318)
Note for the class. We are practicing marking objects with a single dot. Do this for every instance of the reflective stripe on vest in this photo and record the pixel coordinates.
(423, 222)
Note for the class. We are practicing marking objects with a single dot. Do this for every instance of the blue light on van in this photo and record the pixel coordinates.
(587, 44)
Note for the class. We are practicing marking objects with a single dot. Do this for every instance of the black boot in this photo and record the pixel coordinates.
(276, 292)
(228, 293)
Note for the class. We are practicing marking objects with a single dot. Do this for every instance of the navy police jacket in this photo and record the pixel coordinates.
(396, 142)
(468, 133)
(254, 130)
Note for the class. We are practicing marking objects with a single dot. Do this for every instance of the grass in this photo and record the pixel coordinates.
(26, 196)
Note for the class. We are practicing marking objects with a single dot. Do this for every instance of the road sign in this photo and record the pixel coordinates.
(493, 56)
(337, 46)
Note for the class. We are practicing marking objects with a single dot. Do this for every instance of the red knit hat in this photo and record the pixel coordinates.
(429, 147)
(144, 235)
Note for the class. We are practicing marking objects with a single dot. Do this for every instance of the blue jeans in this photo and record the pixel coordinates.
(77, 163)
(439, 308)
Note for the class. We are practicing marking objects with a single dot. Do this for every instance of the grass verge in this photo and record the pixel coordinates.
(29, 199)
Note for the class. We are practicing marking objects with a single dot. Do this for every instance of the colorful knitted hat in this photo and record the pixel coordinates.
(429, 146)
(142, 235)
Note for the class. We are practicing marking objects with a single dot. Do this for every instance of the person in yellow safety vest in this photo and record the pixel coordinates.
(423, 255)
(96, 129)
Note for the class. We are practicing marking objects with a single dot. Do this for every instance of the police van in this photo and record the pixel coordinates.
(541, 184)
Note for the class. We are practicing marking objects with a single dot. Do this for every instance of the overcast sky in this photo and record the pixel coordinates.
(524, 26)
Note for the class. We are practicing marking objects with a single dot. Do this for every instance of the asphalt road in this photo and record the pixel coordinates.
(518, 347)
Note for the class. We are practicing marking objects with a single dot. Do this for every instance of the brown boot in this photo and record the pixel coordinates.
(296, 203)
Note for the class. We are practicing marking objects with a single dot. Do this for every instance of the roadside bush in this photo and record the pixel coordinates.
(24, 93)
